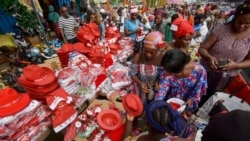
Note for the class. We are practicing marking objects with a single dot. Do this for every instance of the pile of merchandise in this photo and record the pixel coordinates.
(21, 118)
(43, 85)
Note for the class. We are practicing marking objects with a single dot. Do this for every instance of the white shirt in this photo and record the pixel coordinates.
(203, 31)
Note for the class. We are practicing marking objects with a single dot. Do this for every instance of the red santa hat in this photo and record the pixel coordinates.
(54, 98)
(100, 81)
(64, 115)
(108, 60)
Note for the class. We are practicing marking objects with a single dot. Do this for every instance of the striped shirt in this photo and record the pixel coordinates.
(68, 25)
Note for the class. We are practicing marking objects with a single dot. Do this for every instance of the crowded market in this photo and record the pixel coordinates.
(124, 70)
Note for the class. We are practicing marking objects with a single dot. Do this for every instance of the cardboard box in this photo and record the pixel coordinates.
(34, 40)
(53, 64)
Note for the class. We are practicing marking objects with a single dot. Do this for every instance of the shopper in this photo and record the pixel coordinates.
(146, 69)
(160, 25)
(230, 43)
(181, 78)
(183, 35)
(132, 25)
(67, 26)
(201, 29)
(73, 10)
(161, 119)
(53, 18)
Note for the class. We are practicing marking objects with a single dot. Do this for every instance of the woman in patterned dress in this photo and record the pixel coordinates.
(181, 79)
(230, 42)
(145, 68)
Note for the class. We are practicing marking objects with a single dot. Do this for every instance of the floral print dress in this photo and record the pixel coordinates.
(191, 87)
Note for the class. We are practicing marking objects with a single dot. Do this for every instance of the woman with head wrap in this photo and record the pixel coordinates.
(230, 44)
(183, 35)
(53, 18)
(159, 24)
(181, 78)
(161, 119)
(145, 68)
(132, 26)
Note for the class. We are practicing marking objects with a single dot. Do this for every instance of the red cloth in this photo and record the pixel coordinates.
(57, 30)
(184, 28)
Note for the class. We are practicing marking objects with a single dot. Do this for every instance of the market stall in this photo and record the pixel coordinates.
(65, 86)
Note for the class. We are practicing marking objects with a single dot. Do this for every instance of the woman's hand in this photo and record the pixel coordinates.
(189, 102)
(144, 87)
(129, 117)
(156, 85)
(213, 62)
(230, 65)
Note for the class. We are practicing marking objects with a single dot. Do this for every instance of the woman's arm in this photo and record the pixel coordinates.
(208, 43)
(128, 126)
(203, 50)
(127, 33)
(199, 90)
(242, 65)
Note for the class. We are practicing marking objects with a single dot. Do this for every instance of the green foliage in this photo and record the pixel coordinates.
(25, 19)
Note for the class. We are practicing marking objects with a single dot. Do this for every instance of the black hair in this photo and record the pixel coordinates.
(174, 60)
(84, 9)
(199, 17)
(243, 9)
(88, 16)
(174, 16)
(139, 17)
(161, 116)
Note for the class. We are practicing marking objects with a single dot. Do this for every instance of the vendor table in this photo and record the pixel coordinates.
(105, 105)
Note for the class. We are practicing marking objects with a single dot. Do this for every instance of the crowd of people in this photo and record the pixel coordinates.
(181, 51)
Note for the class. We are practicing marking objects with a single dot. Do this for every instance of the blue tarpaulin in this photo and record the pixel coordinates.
(7, 23)
(61, 2)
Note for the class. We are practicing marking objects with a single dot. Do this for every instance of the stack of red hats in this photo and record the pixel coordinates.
(63, 54)
(89, 33)
(114, 48)
(38, 81)
(112, 32)
(96, 55)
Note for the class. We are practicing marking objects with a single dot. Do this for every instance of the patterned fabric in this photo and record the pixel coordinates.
(193, 52)
(227, 47)
(193, 86)
(160, 28)
(145, 73)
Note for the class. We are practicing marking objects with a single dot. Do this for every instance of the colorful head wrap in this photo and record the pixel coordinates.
(176, 124)
(162, 13)
(181, 28)
(156, 39)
